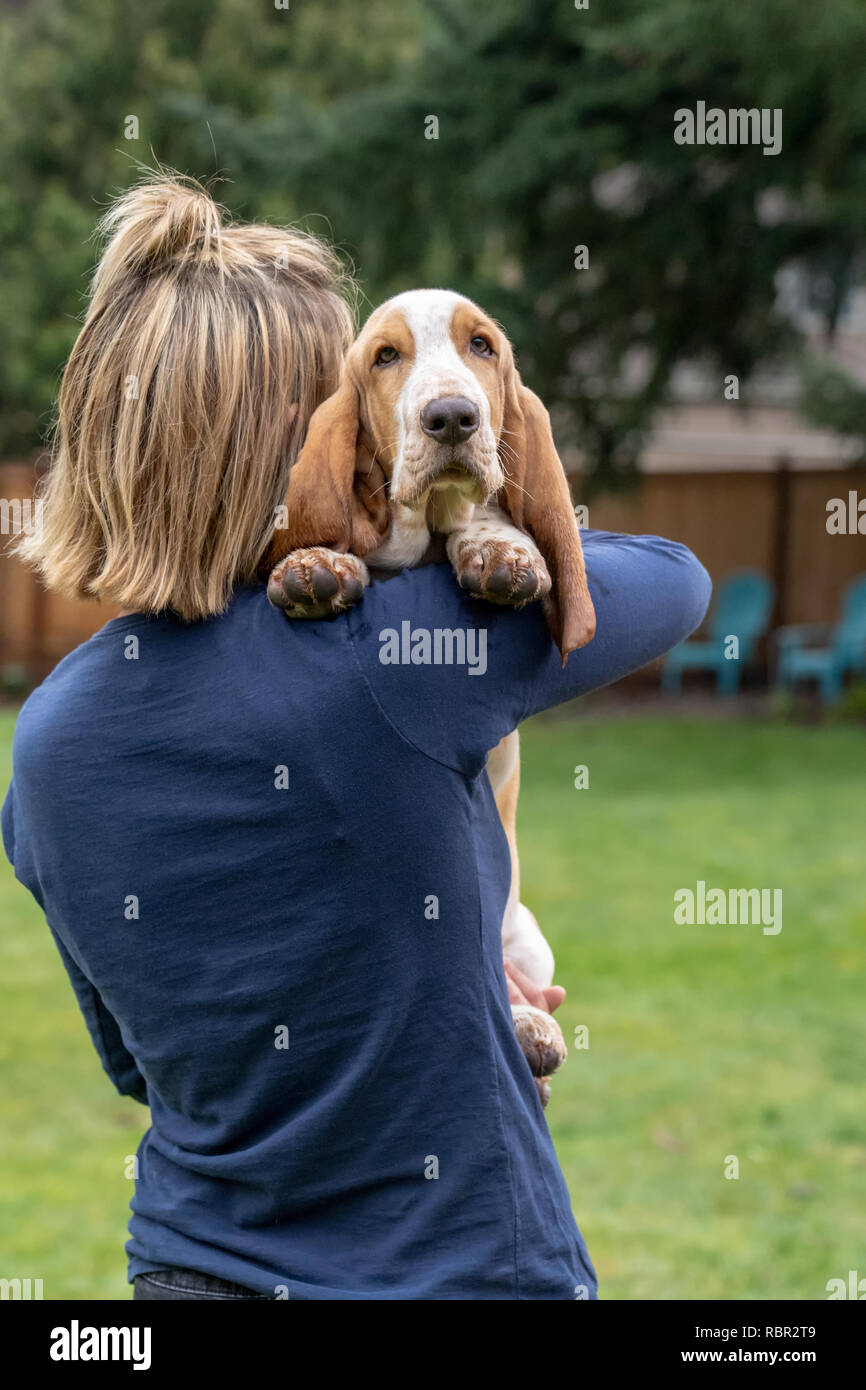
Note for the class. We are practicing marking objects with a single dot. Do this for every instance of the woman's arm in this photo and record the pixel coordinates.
(102, 1026)
(454, 674)
(117, 1061)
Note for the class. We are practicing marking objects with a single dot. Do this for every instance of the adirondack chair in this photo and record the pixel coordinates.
(741, 609)
(844, 648)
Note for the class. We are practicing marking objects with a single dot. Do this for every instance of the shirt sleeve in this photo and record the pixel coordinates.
(454, 674)
(117, 1061)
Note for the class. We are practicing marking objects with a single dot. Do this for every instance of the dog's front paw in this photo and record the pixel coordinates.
(316, 583)
(542, 1043)
(501, 571)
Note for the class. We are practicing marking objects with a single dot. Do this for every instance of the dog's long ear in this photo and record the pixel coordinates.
(337, 496)
(538, 499)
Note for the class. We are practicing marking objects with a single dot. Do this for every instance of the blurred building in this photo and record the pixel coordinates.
(748, 485)
(746, 482)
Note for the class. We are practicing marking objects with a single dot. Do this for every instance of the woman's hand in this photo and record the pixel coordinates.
(544, 1046)
(521, 990)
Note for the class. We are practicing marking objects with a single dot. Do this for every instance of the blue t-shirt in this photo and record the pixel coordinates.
(270, 857)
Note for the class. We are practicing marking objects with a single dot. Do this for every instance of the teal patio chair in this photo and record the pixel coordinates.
(741, 609)
(800, 655)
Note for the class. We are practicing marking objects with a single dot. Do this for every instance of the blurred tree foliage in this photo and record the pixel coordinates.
(214, 86)
(555, 130)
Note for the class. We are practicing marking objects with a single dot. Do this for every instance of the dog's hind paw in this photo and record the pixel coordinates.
(542, 1086)
(316, 583)
(542, 1043)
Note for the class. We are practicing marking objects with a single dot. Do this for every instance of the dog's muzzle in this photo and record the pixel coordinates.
(463, 475)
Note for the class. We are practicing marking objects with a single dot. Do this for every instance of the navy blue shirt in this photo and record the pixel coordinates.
(270, 857)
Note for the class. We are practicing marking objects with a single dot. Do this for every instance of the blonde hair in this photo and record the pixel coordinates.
(176, 429)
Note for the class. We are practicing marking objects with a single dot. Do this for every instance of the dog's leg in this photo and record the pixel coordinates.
(495, 561)
(315, 583)
(537, 1032)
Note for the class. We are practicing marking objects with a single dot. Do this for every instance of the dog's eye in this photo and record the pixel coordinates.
(387, 355)
(481, 346)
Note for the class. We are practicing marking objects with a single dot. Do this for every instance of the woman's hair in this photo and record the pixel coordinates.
(205, 349)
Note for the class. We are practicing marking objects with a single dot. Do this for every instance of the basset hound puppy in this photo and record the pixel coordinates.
(433, 434)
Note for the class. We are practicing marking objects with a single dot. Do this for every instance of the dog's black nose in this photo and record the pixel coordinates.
(450, 419)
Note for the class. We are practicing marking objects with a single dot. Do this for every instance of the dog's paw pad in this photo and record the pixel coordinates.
(540, 1039)
(503, 572)
(315, 583)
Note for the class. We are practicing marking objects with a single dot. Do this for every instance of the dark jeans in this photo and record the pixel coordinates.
(188, 1283)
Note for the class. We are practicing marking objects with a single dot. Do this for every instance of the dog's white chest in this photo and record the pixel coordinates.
(445, 512)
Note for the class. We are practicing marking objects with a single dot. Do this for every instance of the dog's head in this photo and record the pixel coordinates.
(431, 400)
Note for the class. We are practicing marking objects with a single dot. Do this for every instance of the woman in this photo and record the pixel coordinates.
(272, 865)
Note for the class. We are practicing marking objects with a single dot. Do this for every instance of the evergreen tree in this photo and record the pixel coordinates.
(464, 144)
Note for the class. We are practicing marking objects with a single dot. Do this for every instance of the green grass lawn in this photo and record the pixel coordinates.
(705, 1041)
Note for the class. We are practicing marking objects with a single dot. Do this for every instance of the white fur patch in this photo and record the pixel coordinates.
(438, 370)
(524, 944)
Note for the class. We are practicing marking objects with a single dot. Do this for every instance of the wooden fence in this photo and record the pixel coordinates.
(775, 521)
